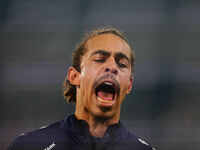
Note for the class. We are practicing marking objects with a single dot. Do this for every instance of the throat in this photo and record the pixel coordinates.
(98, 130)
(99, 125)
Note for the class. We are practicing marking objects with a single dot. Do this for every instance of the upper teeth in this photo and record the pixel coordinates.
(108, 83)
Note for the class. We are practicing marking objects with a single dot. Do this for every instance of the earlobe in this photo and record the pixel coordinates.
(73, 76)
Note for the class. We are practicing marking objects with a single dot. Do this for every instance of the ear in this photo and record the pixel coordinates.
(73, 76)
(130, 84)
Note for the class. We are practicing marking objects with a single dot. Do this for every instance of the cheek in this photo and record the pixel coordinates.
(83, 71)
(86, 78)
(85, 75)
(125, 84)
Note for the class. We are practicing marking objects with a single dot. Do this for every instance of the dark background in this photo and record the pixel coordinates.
(36, 41)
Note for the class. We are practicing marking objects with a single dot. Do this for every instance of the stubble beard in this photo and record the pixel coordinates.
(99, 118)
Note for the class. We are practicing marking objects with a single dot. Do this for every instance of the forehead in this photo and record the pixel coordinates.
(108, 42)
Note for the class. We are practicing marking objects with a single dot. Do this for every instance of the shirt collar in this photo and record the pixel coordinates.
(80, 127)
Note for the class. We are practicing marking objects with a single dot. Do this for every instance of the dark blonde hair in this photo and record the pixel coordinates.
(69, 89)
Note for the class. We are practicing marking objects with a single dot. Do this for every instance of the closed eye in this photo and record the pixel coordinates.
(122, 60)
(122, 65)
(100, 60)
(100, 56)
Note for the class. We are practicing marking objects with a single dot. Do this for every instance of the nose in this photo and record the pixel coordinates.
(111, 67)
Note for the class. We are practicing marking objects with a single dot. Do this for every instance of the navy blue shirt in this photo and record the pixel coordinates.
(73, 134)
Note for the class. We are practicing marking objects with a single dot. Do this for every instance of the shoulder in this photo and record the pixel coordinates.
(140, 141)
(133, 140)
(38, 139)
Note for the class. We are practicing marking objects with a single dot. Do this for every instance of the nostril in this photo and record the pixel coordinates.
(107, 70)
(114, 71)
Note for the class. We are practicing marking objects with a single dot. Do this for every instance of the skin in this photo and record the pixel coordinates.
(106, 54)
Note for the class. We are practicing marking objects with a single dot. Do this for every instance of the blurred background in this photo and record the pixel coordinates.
(38, 37)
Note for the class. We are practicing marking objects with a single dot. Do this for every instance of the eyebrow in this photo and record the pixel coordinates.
(101, 52)
(120, 55)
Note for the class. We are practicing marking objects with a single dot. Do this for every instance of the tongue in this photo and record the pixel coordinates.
(104, 95)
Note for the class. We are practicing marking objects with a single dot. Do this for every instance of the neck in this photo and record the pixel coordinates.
(97, 125)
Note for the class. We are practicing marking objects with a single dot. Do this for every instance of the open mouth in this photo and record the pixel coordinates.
(106, 93)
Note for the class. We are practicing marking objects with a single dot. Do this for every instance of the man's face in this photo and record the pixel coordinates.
(105, 76)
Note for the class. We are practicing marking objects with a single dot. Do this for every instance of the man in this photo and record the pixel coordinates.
(98, 81)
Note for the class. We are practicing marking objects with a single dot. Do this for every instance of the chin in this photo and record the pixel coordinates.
(104, 113)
